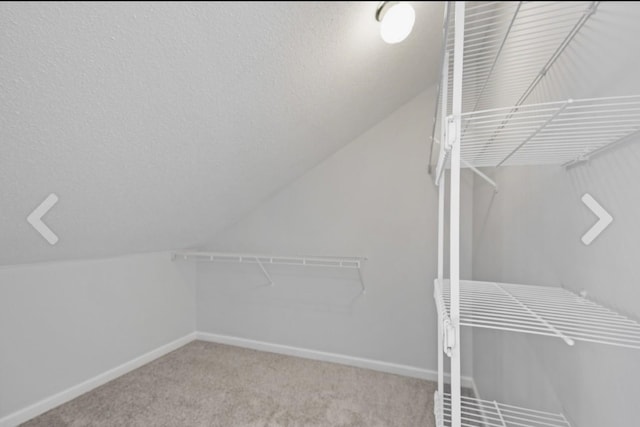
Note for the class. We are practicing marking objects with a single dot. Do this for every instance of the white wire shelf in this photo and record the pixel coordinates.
(485, 413)
(353, 263)
(510, 46)
(549, 133)
(539, 310)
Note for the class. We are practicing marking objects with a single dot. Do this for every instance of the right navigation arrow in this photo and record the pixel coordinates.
(604, 219)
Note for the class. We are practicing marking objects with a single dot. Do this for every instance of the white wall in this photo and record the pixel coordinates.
(373, 198)
(66, 322)
(530, 233)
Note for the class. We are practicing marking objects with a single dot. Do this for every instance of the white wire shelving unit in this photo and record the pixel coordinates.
(489, 113)
(341, 262)
(549, 133)
(510, 46)
(486, 413)
(539, 310)
(508, 49)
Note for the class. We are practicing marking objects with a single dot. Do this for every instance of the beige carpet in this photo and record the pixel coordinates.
(205, 384)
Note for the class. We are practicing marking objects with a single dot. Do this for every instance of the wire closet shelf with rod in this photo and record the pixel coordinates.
(494, 56)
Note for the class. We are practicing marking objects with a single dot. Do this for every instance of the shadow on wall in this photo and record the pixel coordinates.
(597, 62)
(480, 227)
(330, 290)
(530, 232)
(609, 264)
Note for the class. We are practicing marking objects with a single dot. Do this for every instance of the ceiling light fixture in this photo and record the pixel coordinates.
(396, 20)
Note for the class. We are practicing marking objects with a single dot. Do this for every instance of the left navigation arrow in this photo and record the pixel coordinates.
(35, 219)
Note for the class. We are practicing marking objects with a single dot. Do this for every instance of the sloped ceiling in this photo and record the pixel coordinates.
(158, 124)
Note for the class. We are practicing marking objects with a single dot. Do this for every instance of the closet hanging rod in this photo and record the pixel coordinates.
(315, 261)
(346, 262)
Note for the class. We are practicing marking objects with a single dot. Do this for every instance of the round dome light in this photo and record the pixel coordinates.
(396, 21)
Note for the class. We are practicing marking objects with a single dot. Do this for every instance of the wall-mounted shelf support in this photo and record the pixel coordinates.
(264, 270)
(440, 169)
(352, 263)
(536, 132)
(443, 158)
(584, 158)
(480, 174)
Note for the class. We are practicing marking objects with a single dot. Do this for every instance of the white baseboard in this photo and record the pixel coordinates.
(375, 365)
(51, 402)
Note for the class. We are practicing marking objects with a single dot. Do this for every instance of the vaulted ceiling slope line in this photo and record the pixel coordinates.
(156, 124)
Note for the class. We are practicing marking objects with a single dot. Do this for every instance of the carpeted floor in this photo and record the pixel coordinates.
(206, 384)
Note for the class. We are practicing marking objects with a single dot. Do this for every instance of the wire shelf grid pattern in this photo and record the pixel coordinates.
(541, 310)
(310, 261)
(510, 46)
(549, 133)
(350, 263)
(485, 413)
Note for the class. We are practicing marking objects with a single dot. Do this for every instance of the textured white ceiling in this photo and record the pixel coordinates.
(158, 124)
